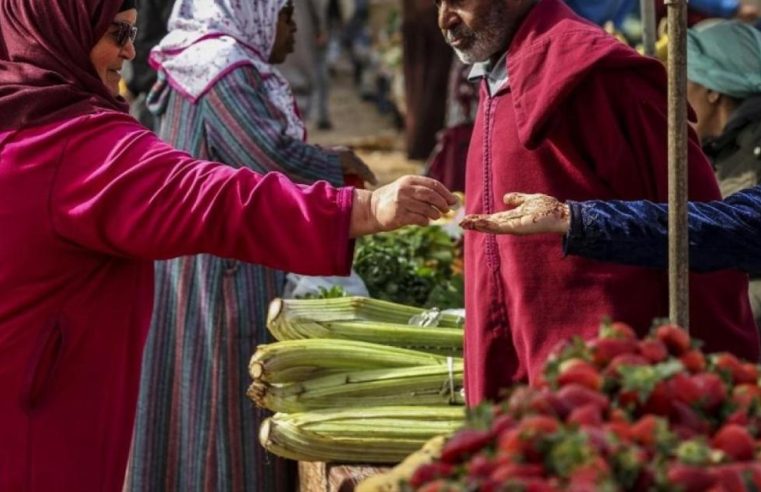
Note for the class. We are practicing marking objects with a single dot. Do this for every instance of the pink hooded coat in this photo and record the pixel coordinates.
(583, 117)
(87, 204)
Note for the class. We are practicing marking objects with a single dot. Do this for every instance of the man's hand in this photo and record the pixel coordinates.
(408, 200)
(353, 165)
(532, 214)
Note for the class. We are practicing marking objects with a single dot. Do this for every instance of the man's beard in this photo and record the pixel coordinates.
(485, 42)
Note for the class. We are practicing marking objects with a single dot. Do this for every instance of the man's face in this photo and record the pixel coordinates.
(476, 29)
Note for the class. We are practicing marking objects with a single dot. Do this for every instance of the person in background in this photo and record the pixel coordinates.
(225, 100)
(307, 68)
(723, 234)
(138, 74)
(567, 110)
(90, 199)
(724, 89)
(426, 60)
(604, 11)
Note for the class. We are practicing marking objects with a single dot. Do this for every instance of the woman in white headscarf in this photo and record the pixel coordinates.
(220, 98)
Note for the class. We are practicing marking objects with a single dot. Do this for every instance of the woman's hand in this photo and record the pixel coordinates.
(408, 200)
(353, 165)
(532, 214)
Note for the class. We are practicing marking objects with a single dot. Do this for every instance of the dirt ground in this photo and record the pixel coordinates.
(359, 124)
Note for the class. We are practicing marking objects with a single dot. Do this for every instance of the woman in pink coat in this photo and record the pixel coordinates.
(89, 200)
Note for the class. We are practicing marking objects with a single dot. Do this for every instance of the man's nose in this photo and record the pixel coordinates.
(447, 17)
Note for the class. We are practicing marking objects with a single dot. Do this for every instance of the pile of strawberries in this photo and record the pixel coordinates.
(614, 414)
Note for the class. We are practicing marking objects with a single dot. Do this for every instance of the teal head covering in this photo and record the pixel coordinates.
(725, 57)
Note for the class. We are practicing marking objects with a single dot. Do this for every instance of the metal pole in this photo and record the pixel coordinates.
(647, 14)
(677, 163)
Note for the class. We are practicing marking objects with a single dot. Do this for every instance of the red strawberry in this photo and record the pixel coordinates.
(502, 423)
(589, 414)
(690, 478)
(480, 466)
(624, 360)
(684, 389)
(676, 339)
(728, 365)
(659, 401)
(730, 477)
(748, 374)
(644, 430)
(621, 430)
(575, 395)
(694, 361)
(538, 424)
(618, 329)
(743, 395)
(580, 372)
(441, 485)
(430, 472)
(712, 389)
(653, 350)
(464, 443)
(736, 441)
(517, 470)
(684, 416)
(618, 415)
(606, 349)
(738, 417)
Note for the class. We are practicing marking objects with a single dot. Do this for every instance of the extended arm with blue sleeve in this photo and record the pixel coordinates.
(722, 234)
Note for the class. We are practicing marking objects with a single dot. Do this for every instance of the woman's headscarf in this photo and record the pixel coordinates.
(209, 38)
(45, 69)
(725, 57)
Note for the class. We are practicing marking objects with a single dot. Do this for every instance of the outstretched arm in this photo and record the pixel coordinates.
(723, 234)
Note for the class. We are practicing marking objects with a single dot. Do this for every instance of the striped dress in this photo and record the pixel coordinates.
(195, 429)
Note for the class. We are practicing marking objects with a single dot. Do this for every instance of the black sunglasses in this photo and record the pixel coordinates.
(126, 32)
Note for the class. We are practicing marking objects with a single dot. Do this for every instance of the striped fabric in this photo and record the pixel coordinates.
(195, 429)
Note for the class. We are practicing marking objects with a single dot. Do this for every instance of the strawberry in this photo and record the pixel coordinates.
(735, 441)
(743, 395)
(659, 401)
(624, 360)
(643, 431)
(430, 472)
(575, 395)
(694, 361)
(687, 421)
(690, 478)
(618, 415)
(501, 423)
(729, 366)
(441, 485)
(730, 477)
(579, 372)
(589, 414)
(505, 472)
(684, 389)
(621, 430)
(712, 389)
(738, 417)
(653, 350)
(748, 373)
(618, 329)
(676, 339)
(606, 349)
(464, 443)
(480, 466)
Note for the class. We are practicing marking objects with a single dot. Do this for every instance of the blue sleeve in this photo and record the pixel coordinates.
(722, 234)
(244, 129)
(718, 8)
